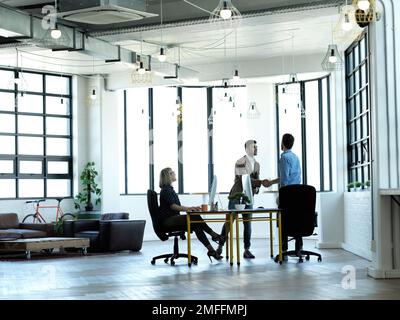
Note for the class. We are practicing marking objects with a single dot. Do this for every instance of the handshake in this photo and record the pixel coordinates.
(267, 183)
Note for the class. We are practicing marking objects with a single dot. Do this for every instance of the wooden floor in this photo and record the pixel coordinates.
(131, 276)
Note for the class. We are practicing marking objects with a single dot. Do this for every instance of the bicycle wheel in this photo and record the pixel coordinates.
(68, 216)
(31, 218)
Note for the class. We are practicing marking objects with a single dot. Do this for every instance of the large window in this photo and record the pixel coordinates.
(200, 132)
(194, 138)
(165, 132)
(358, 111)
(304, 112)
(35, 135)
(137, 132)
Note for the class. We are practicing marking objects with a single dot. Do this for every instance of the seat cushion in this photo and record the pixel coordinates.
(9, 221)
(93, 237)
(27, 234)
(8, 235)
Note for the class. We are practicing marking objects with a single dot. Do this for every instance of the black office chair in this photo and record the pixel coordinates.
(298, 217)
(163, 234)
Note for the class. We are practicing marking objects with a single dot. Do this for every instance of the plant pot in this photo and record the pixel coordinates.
(240, 206)
(89, 207)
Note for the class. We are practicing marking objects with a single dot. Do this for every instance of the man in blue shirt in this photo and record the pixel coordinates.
(290, 173)
(289, 164)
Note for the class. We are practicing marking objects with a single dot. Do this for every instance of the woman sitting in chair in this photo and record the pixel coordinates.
(170, 208)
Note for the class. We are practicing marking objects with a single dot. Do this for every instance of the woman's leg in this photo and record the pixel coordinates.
(179, 223)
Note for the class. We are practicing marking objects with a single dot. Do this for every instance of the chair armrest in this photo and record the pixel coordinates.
(74, 226)
(124, 234)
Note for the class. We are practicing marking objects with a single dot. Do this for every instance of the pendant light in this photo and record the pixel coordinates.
(236, 73)
(93, 96)
(226, 13)
(162, 56)
(141, 69)
(56, 33)
(332, 61)
(363, 4)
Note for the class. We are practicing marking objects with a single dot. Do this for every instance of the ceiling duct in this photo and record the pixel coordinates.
(102, 12)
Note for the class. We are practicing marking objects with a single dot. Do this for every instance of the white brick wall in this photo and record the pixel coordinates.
(358, 223)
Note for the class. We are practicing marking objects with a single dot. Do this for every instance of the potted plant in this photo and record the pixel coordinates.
(368, 184)
(89, 187)
(242, 198)
(350, 186)
(358, 185)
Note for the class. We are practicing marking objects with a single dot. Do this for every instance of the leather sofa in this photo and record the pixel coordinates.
(12, 229)
(112, 232)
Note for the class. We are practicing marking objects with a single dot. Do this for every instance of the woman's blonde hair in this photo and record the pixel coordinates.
(165, 177)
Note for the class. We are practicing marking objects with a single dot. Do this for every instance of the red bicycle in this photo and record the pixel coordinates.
(37, 217)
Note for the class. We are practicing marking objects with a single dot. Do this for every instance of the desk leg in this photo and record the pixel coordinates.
(231, 239)
(227, 219)
(271, 236)
(237, 242)
(188, 240)
(280, 237)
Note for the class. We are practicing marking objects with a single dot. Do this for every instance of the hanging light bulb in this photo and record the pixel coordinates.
(346, 26)
(236, 75)
(141, 70)
(332, 57)
(93, 96)
(55, 33)
(162, 56)
(225, 12)
(363, 4)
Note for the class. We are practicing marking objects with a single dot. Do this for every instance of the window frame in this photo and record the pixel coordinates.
(303, 125)
(358, 137)
(44, 158)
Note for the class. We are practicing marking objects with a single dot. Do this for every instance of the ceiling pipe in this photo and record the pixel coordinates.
(28, 29)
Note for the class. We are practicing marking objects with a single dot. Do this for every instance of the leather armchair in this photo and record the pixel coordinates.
(108, 234)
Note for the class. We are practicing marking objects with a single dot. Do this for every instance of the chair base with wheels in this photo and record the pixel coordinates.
(300, 254)
(173, 256)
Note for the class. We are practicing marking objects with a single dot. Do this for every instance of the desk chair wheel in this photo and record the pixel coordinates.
(172, 262)
(153, 262)
(300, 260)
(195, 262)
(166, 260)
(319, 259)
(307, 257)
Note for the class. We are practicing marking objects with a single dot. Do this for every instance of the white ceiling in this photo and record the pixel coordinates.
(198, 45)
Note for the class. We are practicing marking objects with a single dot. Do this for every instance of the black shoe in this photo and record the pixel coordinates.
(219, 249)
(218, 239)
(247, 254)
(214, 254)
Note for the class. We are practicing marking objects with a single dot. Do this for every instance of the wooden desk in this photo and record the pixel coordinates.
(228, 216)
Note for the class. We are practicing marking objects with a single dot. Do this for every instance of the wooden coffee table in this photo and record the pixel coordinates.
(37, 244)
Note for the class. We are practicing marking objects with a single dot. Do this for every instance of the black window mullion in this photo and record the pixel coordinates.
(125, 144)
(278, 143)
(210, 128)
(180, 146)
(44, 138)
(303, 132)
(151, 140)
(328, 110)
(321, 136)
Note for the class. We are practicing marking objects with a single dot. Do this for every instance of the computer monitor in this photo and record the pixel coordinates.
(247, 189)
(213, 191)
